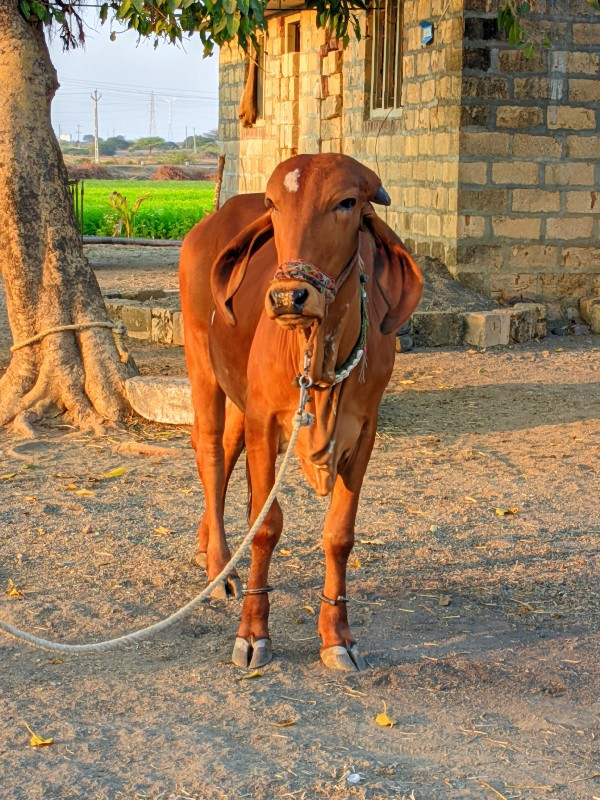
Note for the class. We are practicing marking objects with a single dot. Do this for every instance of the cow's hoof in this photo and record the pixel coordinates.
(252, 656)
(348, 659)
(231, 587)
(200, 559)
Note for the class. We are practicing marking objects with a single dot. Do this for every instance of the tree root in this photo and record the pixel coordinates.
(79, 374)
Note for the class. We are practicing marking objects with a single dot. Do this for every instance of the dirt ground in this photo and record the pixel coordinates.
(481, 630)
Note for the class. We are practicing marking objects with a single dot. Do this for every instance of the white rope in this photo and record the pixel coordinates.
(117, 326)
(300, 419)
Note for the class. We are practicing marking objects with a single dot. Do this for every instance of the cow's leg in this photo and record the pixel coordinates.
(339, 649)
(207, 440)
(233, 444)
(253, 644)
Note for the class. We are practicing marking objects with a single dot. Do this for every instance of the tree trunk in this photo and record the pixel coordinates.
(47, 280)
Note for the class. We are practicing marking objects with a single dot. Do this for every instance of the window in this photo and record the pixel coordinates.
(292, 37)
(385, 25)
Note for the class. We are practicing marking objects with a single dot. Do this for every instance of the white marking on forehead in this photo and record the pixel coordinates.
(291, 181)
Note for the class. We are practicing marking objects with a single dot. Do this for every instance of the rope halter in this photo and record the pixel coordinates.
(300, 270)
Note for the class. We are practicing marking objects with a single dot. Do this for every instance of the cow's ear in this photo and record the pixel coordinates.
(230, 266)
(396, 273)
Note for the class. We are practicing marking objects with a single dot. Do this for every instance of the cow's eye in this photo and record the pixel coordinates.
(346, 205)
(269, 203)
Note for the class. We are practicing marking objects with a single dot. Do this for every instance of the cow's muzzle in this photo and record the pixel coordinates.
(294, 304)
(299, 294)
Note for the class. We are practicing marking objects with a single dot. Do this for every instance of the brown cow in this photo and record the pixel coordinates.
(316, 270)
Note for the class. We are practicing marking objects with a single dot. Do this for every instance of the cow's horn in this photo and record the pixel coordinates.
(382, 197)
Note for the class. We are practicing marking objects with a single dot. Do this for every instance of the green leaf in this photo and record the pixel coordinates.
(220, 25)
(233, 24)
(514, 34)
(229, 6)
(26, 10)
(103, 12)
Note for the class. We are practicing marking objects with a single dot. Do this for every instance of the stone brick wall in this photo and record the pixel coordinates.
(529, 172)
(325, 109)
(415, 149)
(491, 161)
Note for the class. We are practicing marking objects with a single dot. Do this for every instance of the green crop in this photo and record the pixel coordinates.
(171, 210)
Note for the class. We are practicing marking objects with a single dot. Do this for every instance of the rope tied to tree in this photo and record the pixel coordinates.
(119, 331)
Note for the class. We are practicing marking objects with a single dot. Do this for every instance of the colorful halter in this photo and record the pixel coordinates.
(299, 270)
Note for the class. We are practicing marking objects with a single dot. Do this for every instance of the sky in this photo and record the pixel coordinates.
(125, 73)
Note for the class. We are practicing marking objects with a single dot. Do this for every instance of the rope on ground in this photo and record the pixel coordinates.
(300, 419)
(119, 331)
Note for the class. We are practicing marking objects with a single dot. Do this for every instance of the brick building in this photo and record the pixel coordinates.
(492, 160)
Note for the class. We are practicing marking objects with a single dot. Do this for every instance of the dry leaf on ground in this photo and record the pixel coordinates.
(114, 473)
(384, 720)
(251, 675)
(285, 723)
(505, 512)
(12, 591)
(37, 741)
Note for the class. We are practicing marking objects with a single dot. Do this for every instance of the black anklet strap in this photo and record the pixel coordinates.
(265, 590)
(340, 599)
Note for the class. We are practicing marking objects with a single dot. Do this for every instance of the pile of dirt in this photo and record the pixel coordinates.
(88, 170)
(168, 172)
(442, 292)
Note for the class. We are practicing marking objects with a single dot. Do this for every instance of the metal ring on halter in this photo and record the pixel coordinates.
(340, 599)
(305, 381)
(264, 590)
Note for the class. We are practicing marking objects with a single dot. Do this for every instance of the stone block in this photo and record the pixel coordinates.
(162, 325)
(571, 118)
(522, 323)
(136, 318)
(487, 328)
(595, 319)
(178, 328)
(589, 308)
(332, 106)
(535, 200)
(518, 117)
(539, 308)
(161, 399)
(437, 328)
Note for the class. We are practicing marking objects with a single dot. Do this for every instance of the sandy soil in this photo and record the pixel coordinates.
(480, 629)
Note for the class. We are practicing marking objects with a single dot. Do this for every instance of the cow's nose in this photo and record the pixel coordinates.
(299, 297)
(286, 301)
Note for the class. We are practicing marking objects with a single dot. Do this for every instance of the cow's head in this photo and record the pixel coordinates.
(317, 206)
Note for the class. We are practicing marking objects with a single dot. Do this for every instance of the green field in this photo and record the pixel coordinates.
(172, 209)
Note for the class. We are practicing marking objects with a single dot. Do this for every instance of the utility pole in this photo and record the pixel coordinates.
(185, 140)
(170, 104)
(194, 129)
(95, 97)
(78, 134)
(152, 127)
